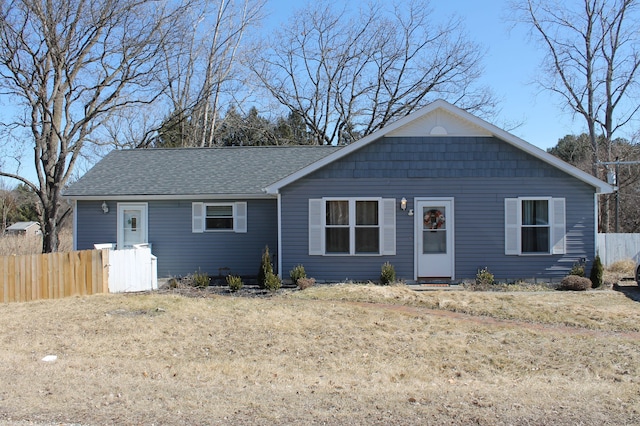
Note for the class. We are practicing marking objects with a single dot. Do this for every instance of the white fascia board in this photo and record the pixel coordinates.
(170, 197)
(600, 186)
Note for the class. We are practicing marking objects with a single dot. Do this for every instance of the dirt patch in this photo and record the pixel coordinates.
(247, 291)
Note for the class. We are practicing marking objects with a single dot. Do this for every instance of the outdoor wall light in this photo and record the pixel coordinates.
(403, 204)
(105, 207)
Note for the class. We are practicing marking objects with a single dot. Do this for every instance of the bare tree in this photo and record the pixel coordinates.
(203, 72)
(7, 203)
(70, 65)
(348, 73)
(591, 62)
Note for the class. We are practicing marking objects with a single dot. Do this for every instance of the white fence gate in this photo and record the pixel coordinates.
(615, 247)
(132, 270)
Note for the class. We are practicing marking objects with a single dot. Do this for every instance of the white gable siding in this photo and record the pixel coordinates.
(439, 123)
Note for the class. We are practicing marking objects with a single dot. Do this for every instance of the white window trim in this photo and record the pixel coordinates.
(144, 227)
(318, 226)
(199, 217)
(513, 226)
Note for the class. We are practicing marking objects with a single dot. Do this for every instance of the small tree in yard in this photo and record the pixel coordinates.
(597, 272)
(272, 282)
(266, 267)
(387, 274)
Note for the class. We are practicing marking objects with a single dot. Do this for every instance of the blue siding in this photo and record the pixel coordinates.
(180, 251)
(479, 173)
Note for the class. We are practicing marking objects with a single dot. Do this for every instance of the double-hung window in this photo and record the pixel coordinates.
(536, 228)
(219, 217)
(351, 226)
(534, 225)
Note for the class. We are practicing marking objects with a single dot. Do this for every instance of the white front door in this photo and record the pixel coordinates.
(132, 224)
(434, 238)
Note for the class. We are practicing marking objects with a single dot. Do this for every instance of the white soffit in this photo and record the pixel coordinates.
(439, 123)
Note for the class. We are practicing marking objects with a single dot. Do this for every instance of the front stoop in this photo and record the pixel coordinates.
(423, 284)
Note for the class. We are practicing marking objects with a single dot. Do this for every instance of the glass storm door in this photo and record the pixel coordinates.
(434, 238)
(132, 225)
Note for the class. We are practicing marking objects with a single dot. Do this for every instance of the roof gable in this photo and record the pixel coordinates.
(441, 118)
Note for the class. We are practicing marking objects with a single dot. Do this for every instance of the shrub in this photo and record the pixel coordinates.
(387, 274)
(577, 269)
(199, 279)
(173, 283)
(235, 282)
(297, 273)
(575, 283)
(272, 282)
(597, 272)
(484, 278)
(266, 267)
(305, 282)
(625, 267)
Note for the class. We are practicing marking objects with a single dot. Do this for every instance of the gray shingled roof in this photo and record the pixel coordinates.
(21, 226)
(193, 171)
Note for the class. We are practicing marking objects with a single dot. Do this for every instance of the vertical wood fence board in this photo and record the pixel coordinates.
(59, 259)
(95, 288)
(4, 275)
(44, 277)
(78, 274)
(67, 267)
(85, 258)
(12, 278)
(23, 278)
(35, 281)
(104, 253)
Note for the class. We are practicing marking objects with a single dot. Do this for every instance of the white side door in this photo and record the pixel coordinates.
(434, 238)
(132, 224)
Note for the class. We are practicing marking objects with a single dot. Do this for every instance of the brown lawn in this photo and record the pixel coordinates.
(327, 355)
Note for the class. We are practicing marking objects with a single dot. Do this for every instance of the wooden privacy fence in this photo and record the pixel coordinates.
(52, 276)
(614, 247)
(56, 275)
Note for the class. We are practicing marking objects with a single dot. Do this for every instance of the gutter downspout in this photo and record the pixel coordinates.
(279, 214)
(279, 204)
(75, 225)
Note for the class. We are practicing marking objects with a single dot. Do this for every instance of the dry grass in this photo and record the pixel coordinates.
(597, 310)
(315, 357)
(19, 245)
(622, 269)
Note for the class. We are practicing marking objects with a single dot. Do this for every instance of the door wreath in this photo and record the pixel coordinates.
(433, 219)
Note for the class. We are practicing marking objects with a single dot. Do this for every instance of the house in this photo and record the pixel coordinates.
(27, 229)
(439, 194)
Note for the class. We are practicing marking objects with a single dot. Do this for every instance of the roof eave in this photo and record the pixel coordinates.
(163, 197)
